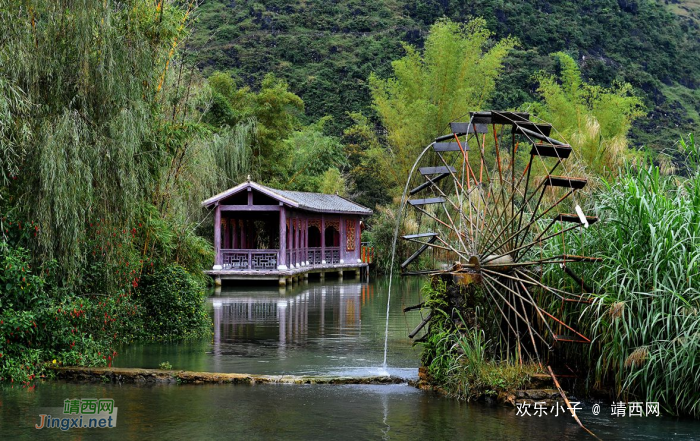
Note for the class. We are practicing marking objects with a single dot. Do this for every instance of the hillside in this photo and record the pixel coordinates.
(326, 50)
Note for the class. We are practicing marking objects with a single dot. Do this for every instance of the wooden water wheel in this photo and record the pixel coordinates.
(482, 205)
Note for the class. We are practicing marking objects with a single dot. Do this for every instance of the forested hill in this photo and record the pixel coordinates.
(326, 50)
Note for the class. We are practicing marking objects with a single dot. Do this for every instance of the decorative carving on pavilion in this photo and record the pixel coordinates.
(350, 234)
(315, 223)
(333, 223)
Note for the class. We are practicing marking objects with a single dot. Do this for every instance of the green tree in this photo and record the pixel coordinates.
(454, 74)
(92, 75)
(274, 111)
(361, 144)
(594, 119)
(311, 161)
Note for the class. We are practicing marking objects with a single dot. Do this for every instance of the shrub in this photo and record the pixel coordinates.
(173, 302)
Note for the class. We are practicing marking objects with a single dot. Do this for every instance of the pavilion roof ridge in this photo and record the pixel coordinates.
(306, 200)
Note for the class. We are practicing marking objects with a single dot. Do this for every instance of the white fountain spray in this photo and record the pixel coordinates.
(393, 254)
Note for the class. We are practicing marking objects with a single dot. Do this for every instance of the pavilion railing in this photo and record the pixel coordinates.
(315, 256)
(241, 259)
(332, 255)
(233, 259)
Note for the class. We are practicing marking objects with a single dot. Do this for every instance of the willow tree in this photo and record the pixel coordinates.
(88, 148)
(594, 119)
(455, 73)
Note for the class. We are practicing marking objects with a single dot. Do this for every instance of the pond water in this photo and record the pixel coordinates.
(331, 328)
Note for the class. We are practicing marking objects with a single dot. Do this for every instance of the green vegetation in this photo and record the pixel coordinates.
(645, 316)
(595, 120)
(458, 356)
(104, 162)
(454, 74)
(326, 51)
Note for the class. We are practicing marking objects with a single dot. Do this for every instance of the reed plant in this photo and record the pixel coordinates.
(645, 317)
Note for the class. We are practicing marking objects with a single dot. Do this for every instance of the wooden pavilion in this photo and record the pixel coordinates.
(266, 233)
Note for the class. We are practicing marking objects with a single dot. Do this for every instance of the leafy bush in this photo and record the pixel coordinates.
(173, 302)
(40, 325)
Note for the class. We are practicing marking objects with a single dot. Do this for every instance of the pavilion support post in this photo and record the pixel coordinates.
(217, 238)
(323, 242)
(322, 276)
(282, 258)
(290, 241)
(227, 233)
(306, 240)
(358, 241)
(282, 282)
(234, 233)
(343, 244)
(297, 248)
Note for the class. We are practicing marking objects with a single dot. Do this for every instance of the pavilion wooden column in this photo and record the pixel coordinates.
(217, 237)
(342, 244)
(297, 223)
(358, 240)
(227, 233)
(323, 240)
(283, 238)
(306, 240)
(234, 233)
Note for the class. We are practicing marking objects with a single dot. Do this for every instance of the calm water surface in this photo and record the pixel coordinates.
(317, 329)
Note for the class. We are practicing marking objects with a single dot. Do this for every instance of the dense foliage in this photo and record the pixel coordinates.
(644, 317)
(595, 120)
(104, 162)
(173, 304)
(647, 319)
(327, 50)
(454, 74)
(459, 356)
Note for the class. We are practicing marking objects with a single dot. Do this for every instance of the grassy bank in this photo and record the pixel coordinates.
(460, 359)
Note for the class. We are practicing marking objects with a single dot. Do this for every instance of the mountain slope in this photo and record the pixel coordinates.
(326, 50)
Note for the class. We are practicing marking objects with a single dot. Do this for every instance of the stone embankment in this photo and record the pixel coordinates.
(144, 376)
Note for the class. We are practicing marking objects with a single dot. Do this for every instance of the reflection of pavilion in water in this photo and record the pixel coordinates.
(325, 310)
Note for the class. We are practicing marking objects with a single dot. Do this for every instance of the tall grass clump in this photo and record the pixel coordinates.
(645, 318)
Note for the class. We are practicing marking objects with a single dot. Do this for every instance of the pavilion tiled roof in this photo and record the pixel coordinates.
(321, 202)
